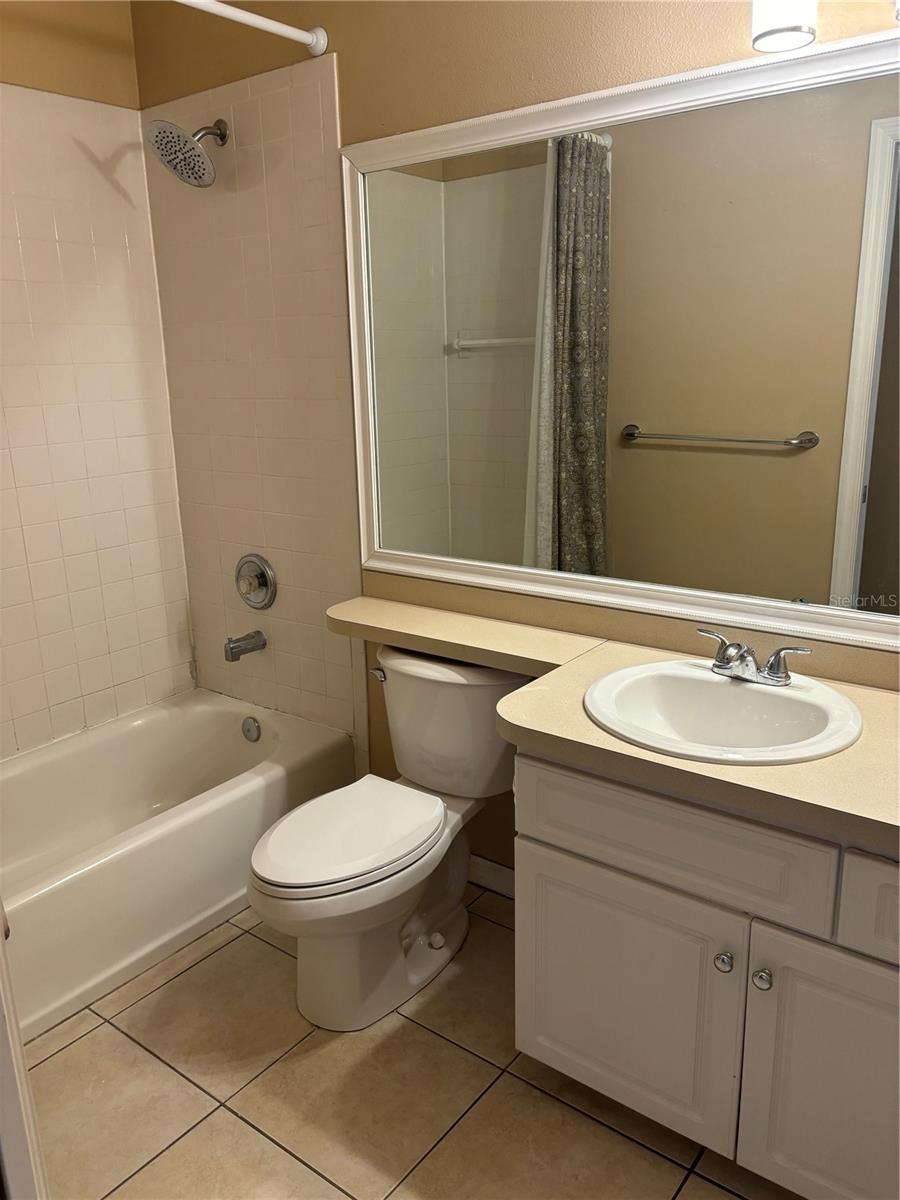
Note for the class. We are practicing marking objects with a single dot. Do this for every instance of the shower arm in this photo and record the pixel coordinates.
(316, 39)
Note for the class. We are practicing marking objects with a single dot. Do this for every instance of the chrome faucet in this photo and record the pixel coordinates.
(737, 661)
(236, 647)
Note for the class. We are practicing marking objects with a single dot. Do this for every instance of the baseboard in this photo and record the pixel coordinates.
(491, 875)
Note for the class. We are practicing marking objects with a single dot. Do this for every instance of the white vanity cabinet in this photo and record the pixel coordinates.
(658, 961)
(617, 985)
(819, 1090)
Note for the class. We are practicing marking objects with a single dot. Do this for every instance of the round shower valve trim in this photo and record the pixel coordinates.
(255, 581)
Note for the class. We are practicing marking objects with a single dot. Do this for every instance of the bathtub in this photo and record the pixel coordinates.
(121, 844)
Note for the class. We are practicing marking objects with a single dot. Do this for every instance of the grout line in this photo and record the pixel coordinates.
(266, 942)
(101, 1021)
(681, 1186)
(491, 921)
(721, 1186)
(287, 1150)
(159, 1153)
(605, 1124)
(444, 1038)
(445, 1134)
(159, 1058)
(183, 971)
(253, 1078)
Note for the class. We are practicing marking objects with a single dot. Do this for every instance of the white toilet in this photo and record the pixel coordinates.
(369, 879)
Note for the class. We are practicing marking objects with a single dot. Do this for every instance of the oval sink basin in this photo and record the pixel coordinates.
(682, 708)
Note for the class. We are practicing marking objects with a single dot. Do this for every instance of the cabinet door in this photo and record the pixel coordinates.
(616, 986)
(819, 1097)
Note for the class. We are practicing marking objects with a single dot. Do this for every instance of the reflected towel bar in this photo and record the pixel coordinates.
(803, 441)
(461, 344)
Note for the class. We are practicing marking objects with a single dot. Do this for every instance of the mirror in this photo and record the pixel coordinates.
(626, 353)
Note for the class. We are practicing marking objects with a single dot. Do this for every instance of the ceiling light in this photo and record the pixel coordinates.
(780, 25)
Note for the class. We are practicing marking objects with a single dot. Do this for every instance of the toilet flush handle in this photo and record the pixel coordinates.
(378, 673)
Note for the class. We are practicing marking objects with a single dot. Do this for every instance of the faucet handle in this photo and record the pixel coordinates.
(775, 669)
(727, 651)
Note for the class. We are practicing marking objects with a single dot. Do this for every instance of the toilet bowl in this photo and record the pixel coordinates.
(369, 879)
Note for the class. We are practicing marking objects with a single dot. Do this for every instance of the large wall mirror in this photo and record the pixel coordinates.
(660, 350)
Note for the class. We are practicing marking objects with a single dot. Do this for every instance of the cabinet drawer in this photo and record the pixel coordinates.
(868, 912)
(788, 879)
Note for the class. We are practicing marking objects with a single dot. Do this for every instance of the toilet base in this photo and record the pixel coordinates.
(348, 983)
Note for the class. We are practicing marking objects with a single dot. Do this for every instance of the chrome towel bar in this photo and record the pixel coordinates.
(803, 441)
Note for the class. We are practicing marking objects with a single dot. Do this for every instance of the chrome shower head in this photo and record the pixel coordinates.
(182, 153)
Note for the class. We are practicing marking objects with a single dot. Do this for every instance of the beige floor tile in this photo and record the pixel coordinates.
(60, 1035)
(246, 919)
(104, 1107)
(518, 1144)
(163, 971)
(282, 940)
(362, 1108)
(225, 1019)
(738, 1179)
(496, 908)
(699, 1189)
(224, 1159)
(472, 892)
(472, 1001)
(626, 1120)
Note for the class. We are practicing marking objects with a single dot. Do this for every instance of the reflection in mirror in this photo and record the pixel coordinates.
(693, 276)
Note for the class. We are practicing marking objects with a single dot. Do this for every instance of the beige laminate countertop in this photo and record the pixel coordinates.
(850, 797)
(503, 644)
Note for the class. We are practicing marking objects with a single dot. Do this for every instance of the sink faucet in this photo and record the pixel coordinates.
(236, 647)
(737, 661)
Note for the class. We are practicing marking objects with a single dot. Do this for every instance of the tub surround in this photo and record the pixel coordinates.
(848, 797)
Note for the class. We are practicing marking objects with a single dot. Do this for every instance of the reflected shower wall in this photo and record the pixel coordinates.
(454, 257)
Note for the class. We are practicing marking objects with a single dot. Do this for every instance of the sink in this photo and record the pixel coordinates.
(682, 708)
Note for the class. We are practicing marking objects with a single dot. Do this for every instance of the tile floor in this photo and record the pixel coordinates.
(199, 1080)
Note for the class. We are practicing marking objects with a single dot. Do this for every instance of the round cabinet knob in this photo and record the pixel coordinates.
(724, 962)
(762, 979)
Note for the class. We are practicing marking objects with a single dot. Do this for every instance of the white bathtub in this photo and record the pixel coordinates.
(122, 843)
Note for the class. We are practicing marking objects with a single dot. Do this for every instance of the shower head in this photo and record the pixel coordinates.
(182, 153)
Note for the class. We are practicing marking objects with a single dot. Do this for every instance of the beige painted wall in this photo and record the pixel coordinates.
(410, 65)
(735, 254)
(80, 48)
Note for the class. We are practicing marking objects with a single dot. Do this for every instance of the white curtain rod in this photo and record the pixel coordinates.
(316, 39)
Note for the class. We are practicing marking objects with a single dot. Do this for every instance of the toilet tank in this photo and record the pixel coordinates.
(443, 722)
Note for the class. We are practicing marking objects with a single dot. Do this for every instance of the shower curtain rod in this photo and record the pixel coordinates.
(316, 39)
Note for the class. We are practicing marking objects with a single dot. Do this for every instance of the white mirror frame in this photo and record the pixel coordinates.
(840, 62)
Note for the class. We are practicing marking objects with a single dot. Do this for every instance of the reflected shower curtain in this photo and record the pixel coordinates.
(565, 517)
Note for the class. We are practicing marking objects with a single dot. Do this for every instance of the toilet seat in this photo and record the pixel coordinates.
(347, 839)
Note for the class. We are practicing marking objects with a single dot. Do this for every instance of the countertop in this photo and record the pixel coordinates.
(850, 797)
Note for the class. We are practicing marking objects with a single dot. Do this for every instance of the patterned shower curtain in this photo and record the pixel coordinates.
(566, 510)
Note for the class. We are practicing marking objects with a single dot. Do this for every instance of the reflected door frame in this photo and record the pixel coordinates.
(882, 181)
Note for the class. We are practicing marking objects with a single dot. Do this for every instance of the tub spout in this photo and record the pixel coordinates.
(236, 647)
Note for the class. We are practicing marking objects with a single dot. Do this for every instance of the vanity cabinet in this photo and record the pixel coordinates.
(617, 985)
(819, 1090)
(663, 958)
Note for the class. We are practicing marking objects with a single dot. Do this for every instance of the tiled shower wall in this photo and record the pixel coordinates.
(94, 613)
(253, 297)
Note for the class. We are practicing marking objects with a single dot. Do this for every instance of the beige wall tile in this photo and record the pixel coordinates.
(257, 345)
(88, 504)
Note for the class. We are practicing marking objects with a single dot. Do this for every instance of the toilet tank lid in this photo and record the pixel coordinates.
(445, 670)
(353, 832)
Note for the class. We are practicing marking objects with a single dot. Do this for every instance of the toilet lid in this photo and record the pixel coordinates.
(353, 832)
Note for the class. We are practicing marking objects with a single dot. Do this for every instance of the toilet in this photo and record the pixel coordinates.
(370, 878)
